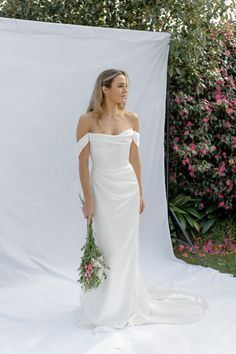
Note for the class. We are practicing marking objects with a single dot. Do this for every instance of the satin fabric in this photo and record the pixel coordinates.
(123, 300)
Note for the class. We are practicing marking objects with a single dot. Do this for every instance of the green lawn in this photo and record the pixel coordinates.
(223, 263)
(217, 248)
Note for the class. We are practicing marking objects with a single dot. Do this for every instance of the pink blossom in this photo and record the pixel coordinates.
(193, 147)
(186, 160)
(175, 147)
(176, 139)
(205, 120)
(201, 205)
(207, 108)
(189, 98)
(189, 124)
(218, 88)
(208, 246)
(203, 151)
(186, 132)
(176, 99)
(190, 168)
(220, 82)
(228, 125)
(229, 184)
(181, 247)
(233, 102)
(221, 204)
(222, 169)
(218, 96)
(227, 53)
(229, 111)
(234, 142)
(224, 154)
(181, 113)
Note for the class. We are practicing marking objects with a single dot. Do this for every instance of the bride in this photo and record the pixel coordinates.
(114, 199)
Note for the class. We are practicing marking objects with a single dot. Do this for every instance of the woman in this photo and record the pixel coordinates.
(114, 199)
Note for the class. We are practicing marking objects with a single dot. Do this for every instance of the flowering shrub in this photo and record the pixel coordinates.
(203, 133)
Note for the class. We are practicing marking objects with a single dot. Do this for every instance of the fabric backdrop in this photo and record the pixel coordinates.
(47, 75)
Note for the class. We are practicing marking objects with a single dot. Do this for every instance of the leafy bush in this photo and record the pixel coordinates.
(203, 132)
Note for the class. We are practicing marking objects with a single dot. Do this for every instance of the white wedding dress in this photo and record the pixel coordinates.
(122, 299)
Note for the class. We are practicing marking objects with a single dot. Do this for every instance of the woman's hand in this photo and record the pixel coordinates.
(88, 210)
(142, 204)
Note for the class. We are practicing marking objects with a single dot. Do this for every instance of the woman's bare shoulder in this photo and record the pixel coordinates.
(133, 119)
(84, 124)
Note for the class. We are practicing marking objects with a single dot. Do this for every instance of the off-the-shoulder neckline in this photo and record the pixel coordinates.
(114, 134)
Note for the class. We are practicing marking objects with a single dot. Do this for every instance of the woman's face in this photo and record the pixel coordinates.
(118, 90)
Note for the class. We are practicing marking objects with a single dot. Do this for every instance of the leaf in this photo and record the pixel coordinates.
(208, 224)
(193, 212)
(177, 210)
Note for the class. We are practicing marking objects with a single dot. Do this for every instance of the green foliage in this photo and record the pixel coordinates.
(203, 131)
(184, 208)
(194, 220)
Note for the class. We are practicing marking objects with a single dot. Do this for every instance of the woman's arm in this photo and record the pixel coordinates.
(134, 157)
(82, 129)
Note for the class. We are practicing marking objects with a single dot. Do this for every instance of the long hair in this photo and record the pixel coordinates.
(105, 78)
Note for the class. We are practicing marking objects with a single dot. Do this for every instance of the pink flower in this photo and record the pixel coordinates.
(234, 142)
(184, 255)
(205, 120)
(208, 246)
(228, 125)
(175, 147)
(222, 169)
(221, 204)
(176, 139)
(219, 97)
(193, 147)
(227, 53)
(207, 108)
(220, 82)
(189, 98)
(176, 99)
(201, 205)
(229, 184)
(181, 248)
(190, 168)
(189, 124)
(229, 111)
(186, 132)
(184, 161)
(203, 151)
(233, 102)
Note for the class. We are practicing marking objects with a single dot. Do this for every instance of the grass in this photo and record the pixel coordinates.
(217, 248)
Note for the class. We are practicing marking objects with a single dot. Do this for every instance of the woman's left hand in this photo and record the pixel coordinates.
(142, 204)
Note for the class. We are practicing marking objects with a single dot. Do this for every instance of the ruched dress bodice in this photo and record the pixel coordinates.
(109, 151)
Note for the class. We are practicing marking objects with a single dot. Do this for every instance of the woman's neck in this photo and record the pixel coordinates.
(110, 110)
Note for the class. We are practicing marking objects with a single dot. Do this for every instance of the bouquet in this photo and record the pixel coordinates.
(92, 266)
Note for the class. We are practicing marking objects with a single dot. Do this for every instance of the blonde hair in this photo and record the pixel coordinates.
(105, 78)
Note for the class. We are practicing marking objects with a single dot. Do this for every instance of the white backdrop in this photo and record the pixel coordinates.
(47, 75)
